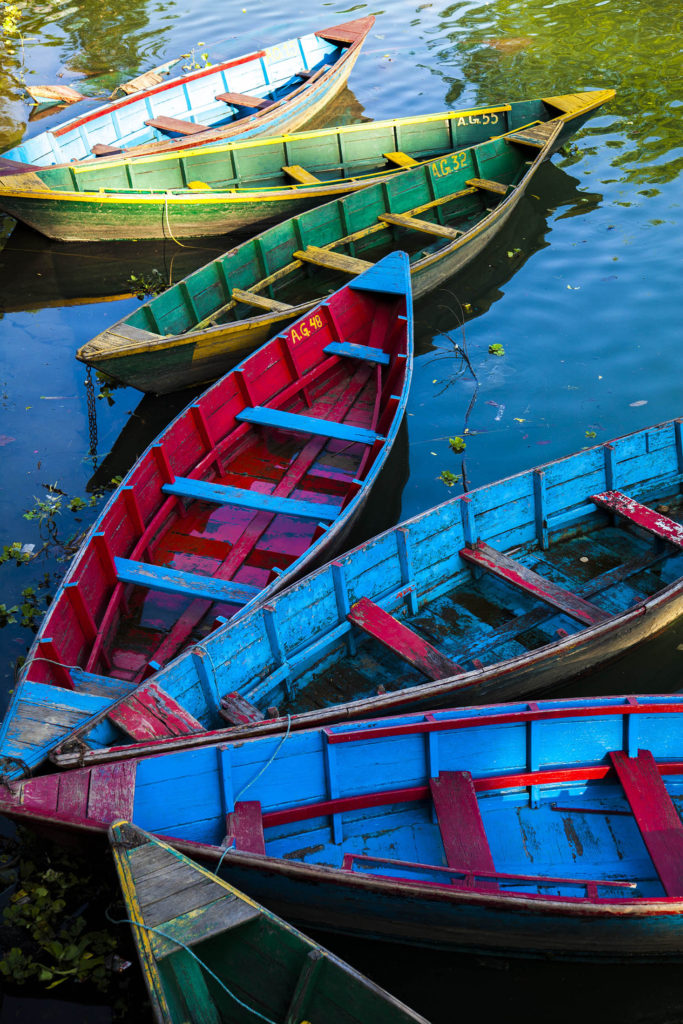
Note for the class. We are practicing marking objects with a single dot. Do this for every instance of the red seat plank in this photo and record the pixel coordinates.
(506, 568)
(655, 814)
(245, 826)
(150, 713)
(640, 515)
(461, 826)
(174, 124)
(402, 640)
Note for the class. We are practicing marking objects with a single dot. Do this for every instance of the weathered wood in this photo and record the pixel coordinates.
(417, 224)
(221, 494)
(245, 826)
(508, 569)
(192, 986)
(402, 640)
(655, 814)
(332, 260)
(300, 174)
(309, 970)
(151, 713)
(204, 923)
(367, 352)
(176, 125)
(250, 298)
(401, 159)
(656, 523)
(486, 185)
(240, 99)
(173, 581)
(536, 135)
(460, 823)
(100, 149)
(239, 711)
(263, 416)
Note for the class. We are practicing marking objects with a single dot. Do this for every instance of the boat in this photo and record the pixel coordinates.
(248, 487)
(231, 187)
(442, 213)
(205, 949)
(511, 590)
(537, 829)
(268, 92)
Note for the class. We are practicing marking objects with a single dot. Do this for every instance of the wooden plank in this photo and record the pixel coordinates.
(8, 167)
(173, 897)
(175, 124)
(242, 99)
(655, 523)
(506, 568)
(402, 220)
(100, 149)
(366, 352)
(300, 174)
(402, 640)
(461, 826)
(486, 185)
(302, 990)
(535, 135)
(112, 791)
(193, 990)
(263, 416)
(259, 301)
(401, 159)
(221, 494)
(655, 815)
(331, 260)
(225, 913)
(245, 826)
(237, 710)
(151, 713)
(173, 581)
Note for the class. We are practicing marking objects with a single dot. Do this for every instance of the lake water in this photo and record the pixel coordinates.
(582, 290)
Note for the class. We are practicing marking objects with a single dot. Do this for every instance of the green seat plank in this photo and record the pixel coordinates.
(220, 494)
(367, 352)
(174, 581)
(263, 417)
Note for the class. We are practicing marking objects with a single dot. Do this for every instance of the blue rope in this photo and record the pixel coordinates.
(205, 967)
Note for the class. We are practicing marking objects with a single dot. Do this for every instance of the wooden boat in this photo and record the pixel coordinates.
(244, 490)
(208, 190)
(269, 92)
(508, 591)
(206, 949)
(550, 828)
(442, 213)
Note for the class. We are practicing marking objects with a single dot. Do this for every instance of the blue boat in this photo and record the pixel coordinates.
(270, 92)
(508, 591)
(254, 483)
(549, 828)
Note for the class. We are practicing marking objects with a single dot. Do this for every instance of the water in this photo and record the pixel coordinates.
(581, 290)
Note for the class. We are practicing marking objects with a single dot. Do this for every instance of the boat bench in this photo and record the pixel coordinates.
(507, 569)
(655, 815)
(461, 826)
(366, 352)
(176, 126)
(150, 713)
(653, 522)
(259, 301)
(402, 640)
(239, 99)
(174, 581)
(100, 149)
(262, 416)
(301, 175)
(245, 826)
(220, 494)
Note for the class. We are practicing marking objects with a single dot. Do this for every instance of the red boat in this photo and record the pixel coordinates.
(246, 488)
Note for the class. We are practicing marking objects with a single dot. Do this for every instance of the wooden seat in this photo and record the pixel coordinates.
(151, 713)
(265, 417)
(486, 185)
(402, 220)
(245, 826)
(506, 568)
(655, 815)
(535, 135)
(224, 495)
(655, 523)
(174, 581)
(100, 149)
(402, 640)
(301, 175)
(259, 301)
(400, 159)
(176, 126)
(240, 99)
(352, 351)
(332, 260)
(460, 823)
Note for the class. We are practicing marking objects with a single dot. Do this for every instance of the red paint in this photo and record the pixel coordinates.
(151, 714)
(460, 823)
(245, 827)
(402, 640)
(640, 515)
(655, 814)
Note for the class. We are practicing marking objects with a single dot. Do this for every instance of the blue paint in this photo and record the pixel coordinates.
(223, 495)
(189, 584)
(366, 352)
(265, 417)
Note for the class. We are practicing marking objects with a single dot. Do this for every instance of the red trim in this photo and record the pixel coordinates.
(502, 718)
(162, 87)
(413, 793)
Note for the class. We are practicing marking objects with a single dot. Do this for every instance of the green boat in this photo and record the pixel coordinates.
(442, 213)
(211, 955)
(208, 190)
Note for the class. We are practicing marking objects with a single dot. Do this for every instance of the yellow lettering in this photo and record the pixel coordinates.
(295, 335)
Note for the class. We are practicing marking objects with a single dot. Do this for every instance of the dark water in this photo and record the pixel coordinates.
(582, 290)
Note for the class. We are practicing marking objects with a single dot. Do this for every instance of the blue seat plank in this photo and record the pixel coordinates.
(173, 581)
(367, 352)
(391, 275)
(223, 495)
(264, 417)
